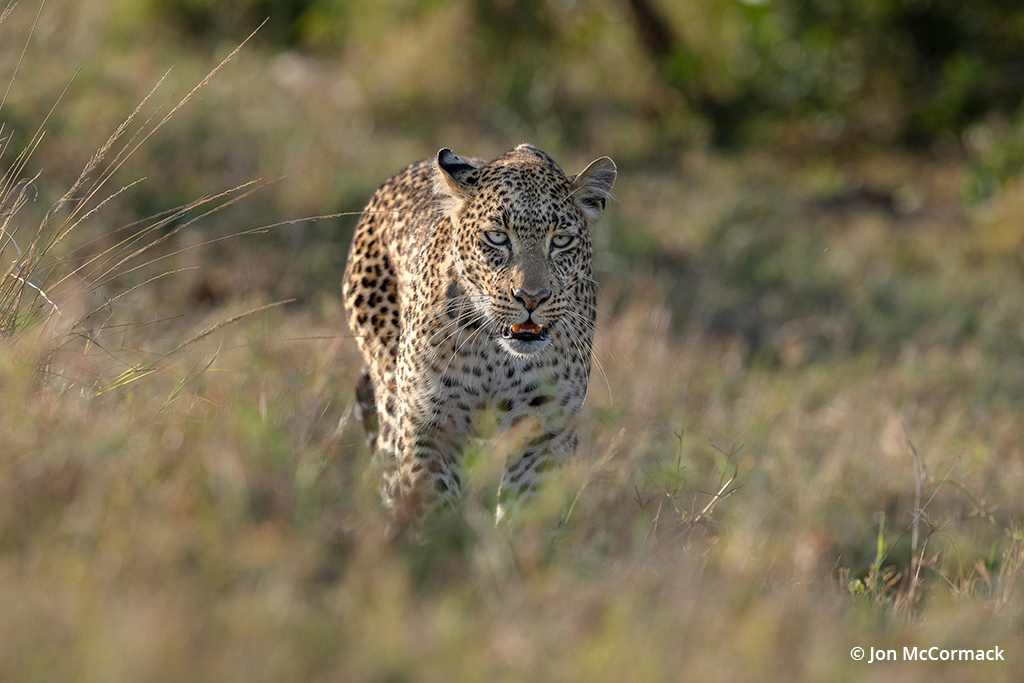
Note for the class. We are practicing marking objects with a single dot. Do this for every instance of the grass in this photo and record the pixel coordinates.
(805, 435)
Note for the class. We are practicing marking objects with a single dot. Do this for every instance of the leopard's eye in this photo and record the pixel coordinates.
(561, 241)
(496, 237)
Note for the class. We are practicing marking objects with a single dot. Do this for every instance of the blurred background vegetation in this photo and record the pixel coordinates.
(334, 95)
(810, 282)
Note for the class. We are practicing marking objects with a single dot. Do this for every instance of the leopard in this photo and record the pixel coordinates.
(469, 287)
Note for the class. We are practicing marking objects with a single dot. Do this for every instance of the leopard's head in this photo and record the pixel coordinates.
(522, 241)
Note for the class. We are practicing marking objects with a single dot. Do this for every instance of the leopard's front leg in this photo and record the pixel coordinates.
(431, 432)
(429, 476)
(541, 417)
(525, 472)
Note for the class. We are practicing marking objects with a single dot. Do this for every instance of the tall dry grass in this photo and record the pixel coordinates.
(804, 437)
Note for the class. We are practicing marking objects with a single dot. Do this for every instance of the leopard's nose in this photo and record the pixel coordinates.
(531, 301)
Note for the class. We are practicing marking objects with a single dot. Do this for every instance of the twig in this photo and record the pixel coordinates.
(925, 506)
(915, 561)
(722, 494)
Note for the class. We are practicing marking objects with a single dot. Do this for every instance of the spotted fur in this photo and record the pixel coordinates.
(469, 287)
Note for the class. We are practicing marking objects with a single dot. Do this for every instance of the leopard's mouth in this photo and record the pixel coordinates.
(527, 331)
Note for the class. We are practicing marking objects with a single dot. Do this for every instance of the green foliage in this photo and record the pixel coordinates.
(206, 20)
(905, 70)
(912, 71)
(999, 159)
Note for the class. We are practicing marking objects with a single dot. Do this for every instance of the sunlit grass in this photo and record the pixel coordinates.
(804, 435)
(218, 515)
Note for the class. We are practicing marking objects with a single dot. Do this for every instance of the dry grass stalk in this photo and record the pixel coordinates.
(38, 271)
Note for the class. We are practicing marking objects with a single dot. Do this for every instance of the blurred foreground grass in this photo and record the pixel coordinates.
(829, 339)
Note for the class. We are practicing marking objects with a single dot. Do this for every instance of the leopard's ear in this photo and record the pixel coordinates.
(456, 177)
(592, 188)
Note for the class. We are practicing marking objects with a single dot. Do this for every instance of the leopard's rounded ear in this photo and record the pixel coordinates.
(456, 177)
(592, 187)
